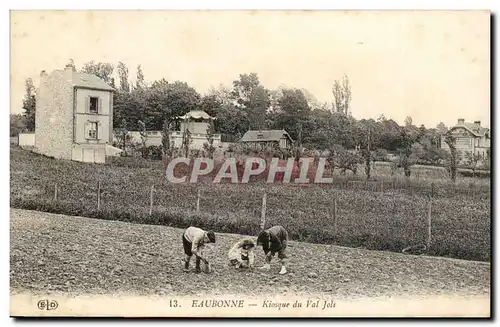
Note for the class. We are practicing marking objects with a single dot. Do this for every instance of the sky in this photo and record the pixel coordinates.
(431, 65)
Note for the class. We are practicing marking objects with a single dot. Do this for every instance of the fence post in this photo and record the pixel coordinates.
(334, 213)
(198, 202)
(429, 224)
(98, 195)
(394, 211)
(382, 186)
(432, 189)
(151, 200)
(55, 192)
(263, 212)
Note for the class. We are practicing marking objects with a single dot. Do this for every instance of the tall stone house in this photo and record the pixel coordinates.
(470, 137)
(74, 116)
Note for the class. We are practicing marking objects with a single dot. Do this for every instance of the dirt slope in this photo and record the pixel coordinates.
(55, 253)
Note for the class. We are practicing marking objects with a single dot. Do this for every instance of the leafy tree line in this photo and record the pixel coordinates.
(247, 104)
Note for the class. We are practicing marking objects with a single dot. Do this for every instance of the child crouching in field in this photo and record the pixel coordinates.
(274, 240)
(193, 241)
(241, 254)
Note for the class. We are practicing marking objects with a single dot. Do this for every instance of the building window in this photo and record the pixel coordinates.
(92, 130)
(94, 105)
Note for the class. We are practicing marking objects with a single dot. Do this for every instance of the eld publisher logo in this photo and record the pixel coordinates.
(47, 305)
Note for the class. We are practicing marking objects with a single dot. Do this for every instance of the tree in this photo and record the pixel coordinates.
(452, 166)
(165, 137)
(123, 77)
(101, 69)
(441, 128)
(312, 101)
(139, 105)
(222, 94)
(342, 95)
(367, 134)
(186, 141)
(18, 124)
(317, 130)
(122, 135)
(156, 106)
(209, 146)
(164, 100)
(408, 121)
(408, 136)
(471, 160)
(487, 163)
(29, 105)
(430, 153)
(125, 106)
(367, 154)
(343, 159)
(251, 97)
(422, 131)
(140, 83)
(230, 121)
(389, 134)
(323, 128)
(406, 151)
(210, 104)
(291, 112)
(144, 138)
(380, 155)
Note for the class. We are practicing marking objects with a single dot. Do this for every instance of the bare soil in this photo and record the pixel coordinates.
(74, 255)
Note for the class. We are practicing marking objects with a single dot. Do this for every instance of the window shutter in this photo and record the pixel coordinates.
(99, 106)
(88, 104)
(98, 127)
(86, 129)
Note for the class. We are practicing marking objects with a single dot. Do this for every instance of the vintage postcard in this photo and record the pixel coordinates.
(250, 164)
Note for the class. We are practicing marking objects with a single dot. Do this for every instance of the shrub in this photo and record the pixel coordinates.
(380, 155)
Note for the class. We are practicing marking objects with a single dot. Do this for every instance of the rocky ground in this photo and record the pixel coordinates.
(73, 255)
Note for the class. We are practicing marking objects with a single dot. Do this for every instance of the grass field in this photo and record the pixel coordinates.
(56, 254)
(366, 218)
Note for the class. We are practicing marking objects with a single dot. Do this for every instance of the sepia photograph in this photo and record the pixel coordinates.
(250, 163)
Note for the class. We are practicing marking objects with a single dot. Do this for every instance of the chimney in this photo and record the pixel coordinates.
(477, 123)
(460, 121)
(70, 67)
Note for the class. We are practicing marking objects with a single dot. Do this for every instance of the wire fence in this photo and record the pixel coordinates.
(376, 215)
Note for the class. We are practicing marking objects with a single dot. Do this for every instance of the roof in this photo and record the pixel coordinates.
(196, 114)
(264, 136)
(90, 81)
(476, 131)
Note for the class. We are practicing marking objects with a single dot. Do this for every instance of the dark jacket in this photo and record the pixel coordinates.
(273, 239)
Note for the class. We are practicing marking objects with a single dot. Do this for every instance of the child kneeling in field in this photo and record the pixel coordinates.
(241, 254)
(274, 240)
(193, 240)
